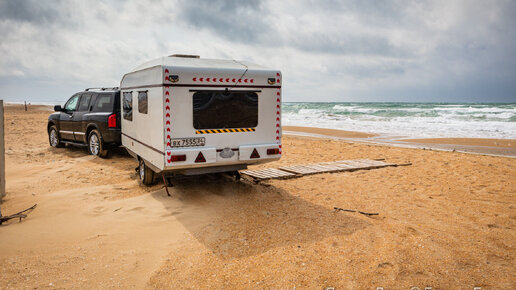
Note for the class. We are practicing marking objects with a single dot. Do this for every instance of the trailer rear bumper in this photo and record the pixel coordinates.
(209, 157)
(210, 169)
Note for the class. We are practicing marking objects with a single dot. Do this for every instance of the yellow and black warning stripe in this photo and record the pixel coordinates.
(216, 131)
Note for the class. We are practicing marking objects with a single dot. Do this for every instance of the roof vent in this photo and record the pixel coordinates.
(185, 55)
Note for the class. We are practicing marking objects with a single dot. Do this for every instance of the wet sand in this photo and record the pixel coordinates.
(448, 221)
(498, 147)
(505, 143)
(329, 132)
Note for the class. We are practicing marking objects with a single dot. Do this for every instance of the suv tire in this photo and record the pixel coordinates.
(53, 137)
(96, 145)
(145, 174)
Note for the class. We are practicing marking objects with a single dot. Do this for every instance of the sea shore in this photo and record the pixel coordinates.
(482, 146)
(447, 221)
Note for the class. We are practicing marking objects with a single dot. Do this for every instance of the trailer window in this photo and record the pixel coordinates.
(142, 102)
(128, 106)
(223, 110)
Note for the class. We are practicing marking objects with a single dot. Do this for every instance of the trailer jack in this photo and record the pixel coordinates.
(165, 182)
(233, 175)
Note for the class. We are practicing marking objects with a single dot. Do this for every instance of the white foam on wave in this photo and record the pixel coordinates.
(479, 121)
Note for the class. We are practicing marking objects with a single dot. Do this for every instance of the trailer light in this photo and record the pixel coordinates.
(255, 154)
(200, 158)
(173, 78)
(271, 81)
(273, 151)
(177, 158)
(112, 121)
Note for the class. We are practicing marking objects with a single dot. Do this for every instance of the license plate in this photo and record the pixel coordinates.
(187, 142)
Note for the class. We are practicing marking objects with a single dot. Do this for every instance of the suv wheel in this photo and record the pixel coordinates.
(53, 138)
(145, 173)
(95, 144)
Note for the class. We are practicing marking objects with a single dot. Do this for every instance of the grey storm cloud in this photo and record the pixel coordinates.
(347, 44)
(233, 19)
(32, 11)
(419, 50)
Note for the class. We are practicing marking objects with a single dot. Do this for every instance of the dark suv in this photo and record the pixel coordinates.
(90, 118)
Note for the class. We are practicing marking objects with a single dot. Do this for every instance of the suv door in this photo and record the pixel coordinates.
(78, 122)
(65, 118)
(102, 108)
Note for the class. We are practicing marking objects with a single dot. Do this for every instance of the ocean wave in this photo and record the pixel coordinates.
(413, 120)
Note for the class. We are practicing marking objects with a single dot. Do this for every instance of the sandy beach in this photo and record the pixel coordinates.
(328, 132)
(482, 146)
(448, 221)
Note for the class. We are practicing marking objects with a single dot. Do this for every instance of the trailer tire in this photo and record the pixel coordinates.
(145, 174)
(53, 137)
(96, 145)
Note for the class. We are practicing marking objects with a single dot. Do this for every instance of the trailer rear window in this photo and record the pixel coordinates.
(224, 110)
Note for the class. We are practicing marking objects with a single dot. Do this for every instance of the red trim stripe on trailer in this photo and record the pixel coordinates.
(278, 118)
(201, 85)
(166, 74)
(168, 119)
(221, 80)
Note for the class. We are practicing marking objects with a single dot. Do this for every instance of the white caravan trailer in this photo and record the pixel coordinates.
(187, 115)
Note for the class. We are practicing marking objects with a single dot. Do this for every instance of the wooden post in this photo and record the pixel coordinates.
(25, 106)
(2, 152)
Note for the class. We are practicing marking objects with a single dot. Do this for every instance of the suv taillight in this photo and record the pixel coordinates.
(112, 121)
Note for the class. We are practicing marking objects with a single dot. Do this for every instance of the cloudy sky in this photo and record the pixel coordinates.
(328, 50)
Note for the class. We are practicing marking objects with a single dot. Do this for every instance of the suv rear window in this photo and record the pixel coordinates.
(222, 109)
(104, 103)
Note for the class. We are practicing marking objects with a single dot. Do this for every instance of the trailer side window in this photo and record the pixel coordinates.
(128, 106)
(225, 110)
(142, 102)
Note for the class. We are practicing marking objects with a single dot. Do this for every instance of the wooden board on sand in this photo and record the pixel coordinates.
(308, 169)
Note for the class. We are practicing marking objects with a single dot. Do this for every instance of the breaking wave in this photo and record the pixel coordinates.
(420, 120)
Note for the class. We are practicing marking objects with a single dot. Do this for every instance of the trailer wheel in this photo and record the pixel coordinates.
(96, 145)
(53, 138)
(145, 173)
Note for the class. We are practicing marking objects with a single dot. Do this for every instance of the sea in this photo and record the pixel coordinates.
(408, 120)
(401, 120)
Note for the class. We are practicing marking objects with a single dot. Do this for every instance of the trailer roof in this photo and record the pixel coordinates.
(173, 61)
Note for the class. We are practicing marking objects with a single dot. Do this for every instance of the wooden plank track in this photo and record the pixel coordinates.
(356, 164)
(343, 167)
(314, 168)
(268, 173)
(376, 162)
(300, 169)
